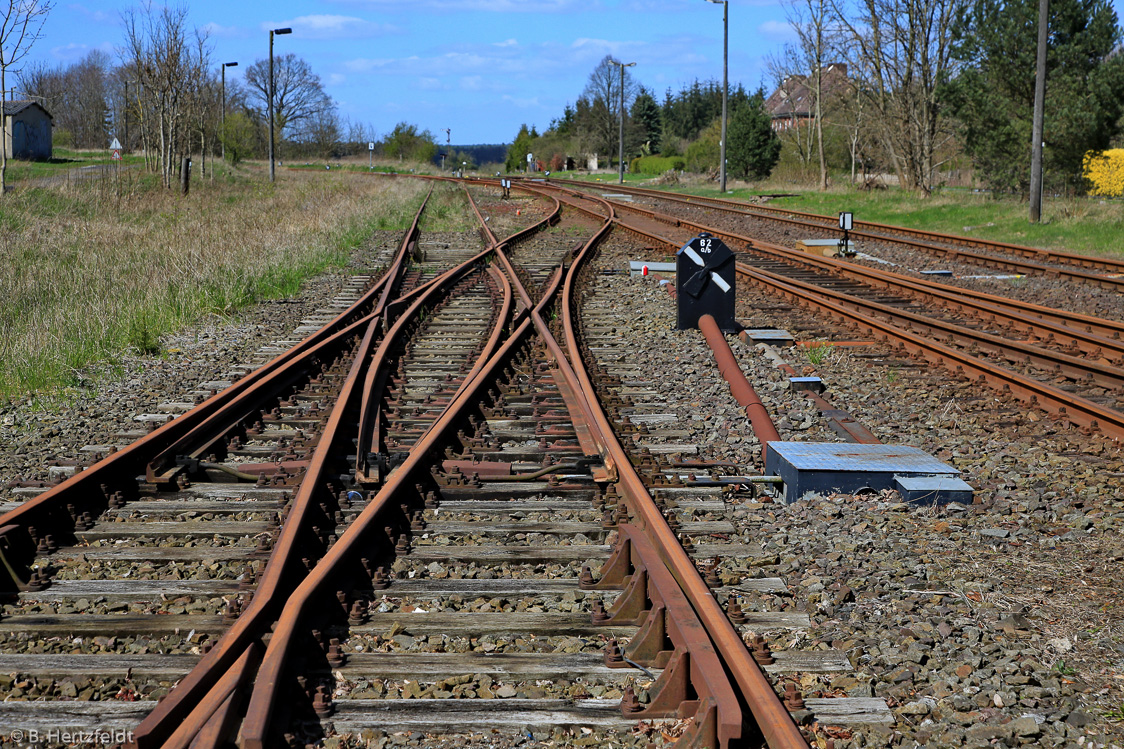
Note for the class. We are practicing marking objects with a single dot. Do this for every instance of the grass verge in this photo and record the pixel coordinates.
(88, 276)
(1091, 226)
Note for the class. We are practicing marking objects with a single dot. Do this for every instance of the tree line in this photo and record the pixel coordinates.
(935, 84)
(684, 124)
(165, 97)
(914, 88)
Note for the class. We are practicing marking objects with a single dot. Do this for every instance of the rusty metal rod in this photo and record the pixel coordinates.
(740, 388)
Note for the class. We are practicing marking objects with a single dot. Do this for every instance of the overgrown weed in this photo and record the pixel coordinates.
(101, 268)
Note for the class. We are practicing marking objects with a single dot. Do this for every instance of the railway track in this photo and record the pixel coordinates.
(255, 578)
(459, 512)
(1107, 273)
(1062, 345)
(125, 584)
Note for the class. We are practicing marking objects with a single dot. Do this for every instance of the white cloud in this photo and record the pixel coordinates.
(778, 30)
(74, 52)
(487, 6)
(326, 26)
(336, 79)
(98, 16)
(214, 29)
(533, 102)
(506, 43)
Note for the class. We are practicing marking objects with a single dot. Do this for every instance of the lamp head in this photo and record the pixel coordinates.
(230, 64)
(282, 31)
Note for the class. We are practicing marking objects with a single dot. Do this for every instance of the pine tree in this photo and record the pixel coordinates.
(993, 97)
(753, 148)
(646, 115)
(517, 152)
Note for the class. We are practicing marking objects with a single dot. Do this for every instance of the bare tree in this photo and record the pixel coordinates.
(905, 47)
(78, 97)
(599, 105)
(21, 24)
(299, 96)
(809, 19)
(169, 72)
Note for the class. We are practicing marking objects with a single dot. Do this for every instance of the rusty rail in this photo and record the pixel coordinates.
(192, 704)
(653, 601)
(1080, 411)
(89, 490)
(1094, 335)
(342, 563)
(879, 232)
(770, 715)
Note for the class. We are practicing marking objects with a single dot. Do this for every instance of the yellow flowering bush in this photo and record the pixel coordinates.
(1105, 172)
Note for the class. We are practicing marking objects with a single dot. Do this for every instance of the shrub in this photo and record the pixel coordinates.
(1104, 171)
(656, 164)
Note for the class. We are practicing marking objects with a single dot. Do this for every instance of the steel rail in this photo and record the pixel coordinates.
(342, 561)
(878, 233)
(264, 697)
(285, 561)
(199, 440)
(369, 409)
(716, 706)
(88, 490)
(188, 704)
(370, 419)
(770, 715)
(1073, 367)
(1075, 327)
(1080, 411)
(718, 716)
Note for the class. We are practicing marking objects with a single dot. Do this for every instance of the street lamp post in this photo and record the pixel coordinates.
(725, 86)
(225, 65)
(272, 169)
(620, 145)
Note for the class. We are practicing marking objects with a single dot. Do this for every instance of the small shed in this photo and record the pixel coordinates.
(27, 130)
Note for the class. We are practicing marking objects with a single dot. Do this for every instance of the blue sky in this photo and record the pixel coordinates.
(479, 67)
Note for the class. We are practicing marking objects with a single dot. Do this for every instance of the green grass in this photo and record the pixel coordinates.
(90, 274)
(62, 161)
(1082, 225)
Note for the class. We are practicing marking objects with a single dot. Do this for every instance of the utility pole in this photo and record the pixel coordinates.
(725, 84)
(225, 65)
(620, 146)
(271, 93)
(1039, 114)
